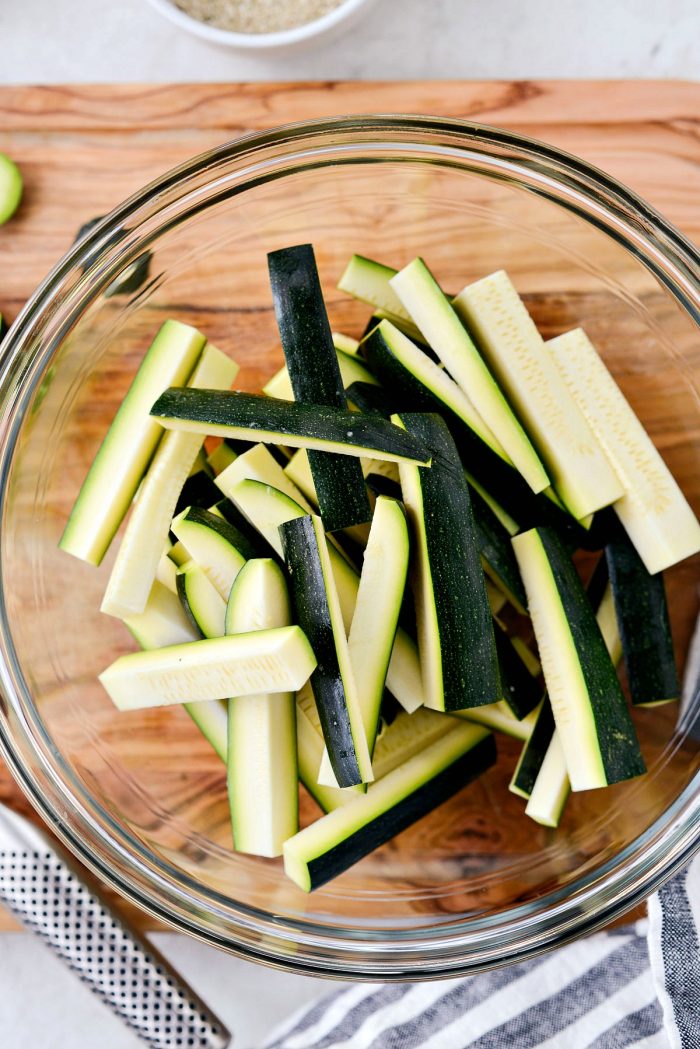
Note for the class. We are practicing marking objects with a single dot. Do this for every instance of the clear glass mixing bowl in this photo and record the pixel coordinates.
(140, 796)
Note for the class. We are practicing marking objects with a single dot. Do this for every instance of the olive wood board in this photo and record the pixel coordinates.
(84, 148)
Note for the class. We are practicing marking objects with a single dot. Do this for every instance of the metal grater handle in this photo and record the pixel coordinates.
(111, 958)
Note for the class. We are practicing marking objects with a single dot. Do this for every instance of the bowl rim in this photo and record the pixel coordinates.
(280, 38)
(674, 261)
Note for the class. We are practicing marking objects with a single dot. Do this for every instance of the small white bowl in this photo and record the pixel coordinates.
(340, 17)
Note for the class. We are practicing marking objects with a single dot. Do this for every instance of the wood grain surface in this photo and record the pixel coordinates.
(82, 149)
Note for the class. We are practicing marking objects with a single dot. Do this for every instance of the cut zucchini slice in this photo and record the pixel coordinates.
(271, 421)
(310, 749)
(345, 344)
(214, 544)
(496, 551)
(278, 660)
(370, 282)
(590, 713)
(371, 400)
(521, 690)
(163, 622)
(131, 440)
(645, 628)
(198, 490)
(136, 564)
(166, 573)
(537, 746)
(500, 718)
(352, 370)
(516, 353)
(220, 458)
(201, 601)
(262, 507)
(312, 363)
(654, 511)
(262, 751)
(455, 629)
(376, 615)
(551, 788)
(318, 611)
(403, 366)
(338, 840)
(442, 328)
(533, 753)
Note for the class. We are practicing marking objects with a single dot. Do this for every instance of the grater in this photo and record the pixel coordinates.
(42, 887)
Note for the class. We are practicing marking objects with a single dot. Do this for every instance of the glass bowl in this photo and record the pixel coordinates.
(139, 796)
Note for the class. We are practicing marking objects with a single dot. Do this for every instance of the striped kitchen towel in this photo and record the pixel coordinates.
(632, 988)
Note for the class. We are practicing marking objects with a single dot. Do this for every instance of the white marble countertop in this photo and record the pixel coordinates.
(49, 41)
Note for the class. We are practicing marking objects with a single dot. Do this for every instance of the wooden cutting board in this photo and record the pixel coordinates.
(82, 149)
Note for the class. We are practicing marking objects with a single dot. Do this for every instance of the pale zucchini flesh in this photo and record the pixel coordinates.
(163, 622)
(500, 718)
(310, 749)
(262, 765)
(130, 442)
(376, 616)
(370, 282)
(210, 545)
(351, 370)
(140, 550)
(546, 802)
(332, 844)
(655, 513)
(437, 382)
(516, 353)
(278, 660)
(443, 330)
(201, 601)
(220, 458)
(317, 609)
(263, 509)
(589, 708)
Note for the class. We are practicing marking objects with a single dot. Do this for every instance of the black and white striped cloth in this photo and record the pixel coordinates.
(633, 988)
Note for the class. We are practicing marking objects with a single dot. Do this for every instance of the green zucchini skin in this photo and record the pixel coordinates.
(223, 527)
(533, 752)
(617, 740)
(497, 551)
(4, 327)
(381, 485)
(314, 373)
(467, 646)
(259, 415)
(250, 537)
(643, 621)
(198, 490)
(521, 691)
(427, 797)
(370, 399)
(404, 392)
(312, 612)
